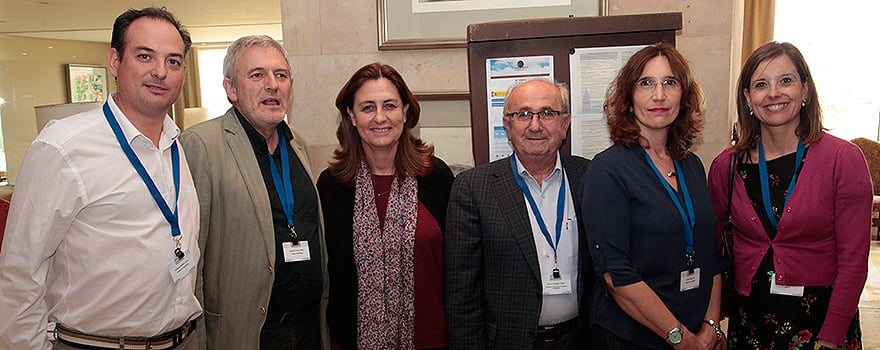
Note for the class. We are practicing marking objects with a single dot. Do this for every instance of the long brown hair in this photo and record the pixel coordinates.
(618, 107)
(413, 158)
(809, 128)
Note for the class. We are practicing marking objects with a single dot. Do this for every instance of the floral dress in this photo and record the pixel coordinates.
(769, 321)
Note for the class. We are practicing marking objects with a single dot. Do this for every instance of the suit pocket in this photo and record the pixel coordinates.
(491, 332)
(212, 329)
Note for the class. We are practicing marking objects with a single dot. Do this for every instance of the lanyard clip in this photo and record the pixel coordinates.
(690, 262)
(293, 233)
(177, 251)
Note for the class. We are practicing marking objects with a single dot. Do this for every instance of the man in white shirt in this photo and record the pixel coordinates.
(517, 272)
(102, 233)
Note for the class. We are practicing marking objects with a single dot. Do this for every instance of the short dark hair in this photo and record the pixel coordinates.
(619, 102)
(809, 128)
(413, 158)
(120, 26)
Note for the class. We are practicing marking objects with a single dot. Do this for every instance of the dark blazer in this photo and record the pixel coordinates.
(337, 201)
(493, 282)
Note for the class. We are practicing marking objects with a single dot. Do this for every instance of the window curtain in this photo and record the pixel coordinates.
(757, 25)
(191, 95)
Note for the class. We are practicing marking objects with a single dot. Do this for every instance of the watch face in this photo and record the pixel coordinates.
(674, 336)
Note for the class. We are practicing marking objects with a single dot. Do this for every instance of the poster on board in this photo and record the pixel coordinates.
(501, 73)
(592, 71)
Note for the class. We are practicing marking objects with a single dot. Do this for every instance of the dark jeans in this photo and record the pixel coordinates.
(303, 332)
(601, 338)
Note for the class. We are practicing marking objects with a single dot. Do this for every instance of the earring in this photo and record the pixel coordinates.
(804, 103)
(751, 113)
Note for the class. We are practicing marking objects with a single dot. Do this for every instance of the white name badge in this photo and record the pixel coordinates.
(795, 291)
(296, 252)
(689, 280)
(180, 267)
(557, 286)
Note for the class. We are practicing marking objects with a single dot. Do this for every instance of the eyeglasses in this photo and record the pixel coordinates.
(647, 85)
(545, 115)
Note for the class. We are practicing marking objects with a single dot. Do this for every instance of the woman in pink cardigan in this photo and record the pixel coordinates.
(801, 213)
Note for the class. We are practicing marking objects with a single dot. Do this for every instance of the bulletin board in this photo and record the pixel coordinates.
(544, 48)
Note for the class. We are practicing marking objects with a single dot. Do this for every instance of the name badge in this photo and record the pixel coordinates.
(557, 286)
(689, 280)
(296, 251)
(795, 291)
(179, 267)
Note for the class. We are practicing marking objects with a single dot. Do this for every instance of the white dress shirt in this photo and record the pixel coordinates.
(86, 245)
(562, 307)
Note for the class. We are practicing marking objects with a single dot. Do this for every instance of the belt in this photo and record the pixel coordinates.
(167, 340)
(552, 333)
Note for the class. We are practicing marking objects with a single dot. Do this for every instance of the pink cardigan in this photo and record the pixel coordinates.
(823, 236)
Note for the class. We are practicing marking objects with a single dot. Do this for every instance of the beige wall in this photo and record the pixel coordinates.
(329, 39)
(36, 79)
(711, 38)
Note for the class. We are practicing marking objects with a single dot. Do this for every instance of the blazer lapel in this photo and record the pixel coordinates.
(516, 216)
(243, 154)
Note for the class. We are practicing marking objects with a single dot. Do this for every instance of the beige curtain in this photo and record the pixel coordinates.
(191, 95)
(757, 24)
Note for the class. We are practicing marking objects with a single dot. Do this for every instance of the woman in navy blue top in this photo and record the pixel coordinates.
(649, 220)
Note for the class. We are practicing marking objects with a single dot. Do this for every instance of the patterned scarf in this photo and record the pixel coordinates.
(384, 260)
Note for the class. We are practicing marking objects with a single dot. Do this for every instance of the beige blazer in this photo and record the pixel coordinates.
(236, 235)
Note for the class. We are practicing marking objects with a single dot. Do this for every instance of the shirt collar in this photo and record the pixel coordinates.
(526, 175)
(170, 131)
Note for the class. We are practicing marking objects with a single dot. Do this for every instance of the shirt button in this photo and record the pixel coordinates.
(270, 269)
(788, 210)
(752, 218)
(262, 310)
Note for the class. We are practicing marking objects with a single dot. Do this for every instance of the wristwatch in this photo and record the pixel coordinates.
(718, 333)
(674, 336)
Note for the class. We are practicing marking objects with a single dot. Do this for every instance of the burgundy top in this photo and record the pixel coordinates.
(430, 322)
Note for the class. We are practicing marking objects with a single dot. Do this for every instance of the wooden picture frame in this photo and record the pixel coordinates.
(401, 29)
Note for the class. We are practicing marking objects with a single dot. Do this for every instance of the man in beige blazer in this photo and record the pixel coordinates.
(263, 264)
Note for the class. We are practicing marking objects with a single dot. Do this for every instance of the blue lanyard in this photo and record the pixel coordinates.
(686, 219)
(560, 209)
(170, 216)
(284, 188)
(765, 185)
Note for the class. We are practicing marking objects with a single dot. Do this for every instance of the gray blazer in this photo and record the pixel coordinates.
(493, 282)
(236, 269)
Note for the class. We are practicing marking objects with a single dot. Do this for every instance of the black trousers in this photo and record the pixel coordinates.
(301, 332)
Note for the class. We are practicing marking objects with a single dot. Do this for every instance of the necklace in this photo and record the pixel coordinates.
(380, 194)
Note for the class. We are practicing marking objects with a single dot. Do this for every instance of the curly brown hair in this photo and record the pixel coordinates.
(810, 128)
(413, 158)
(618, 107)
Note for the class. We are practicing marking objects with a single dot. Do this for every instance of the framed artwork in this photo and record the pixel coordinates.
(421, 6)
(433, 24)
(86, 83)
